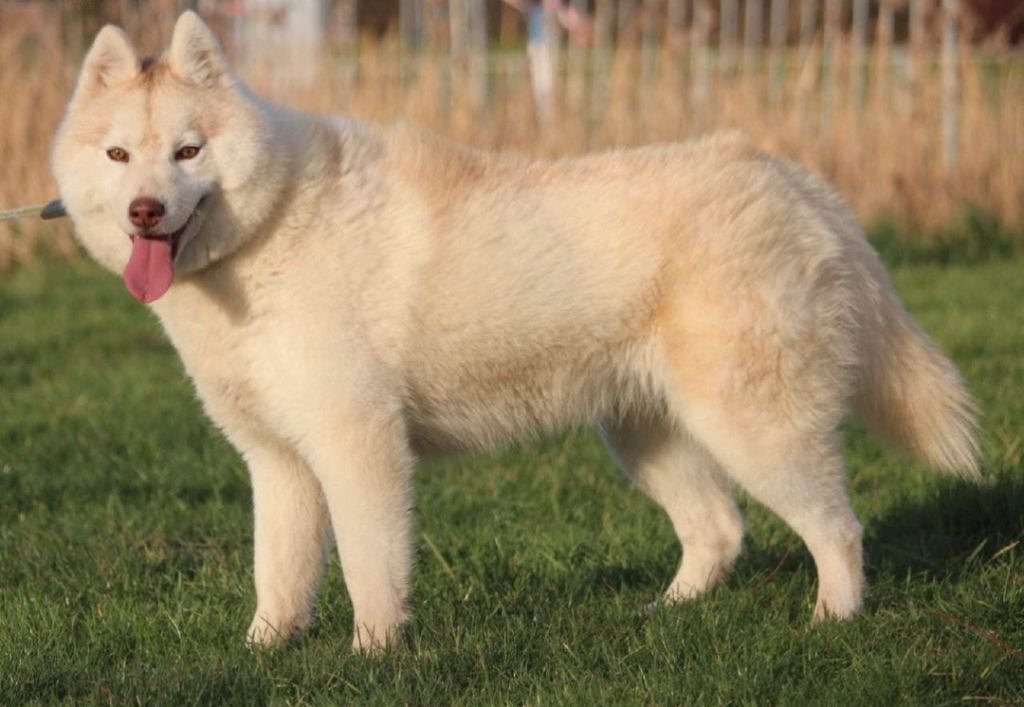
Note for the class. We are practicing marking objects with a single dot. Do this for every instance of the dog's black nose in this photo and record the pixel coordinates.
(145, 212)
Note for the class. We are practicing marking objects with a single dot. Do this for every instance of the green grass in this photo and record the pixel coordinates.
(125, 547)
(973, 236)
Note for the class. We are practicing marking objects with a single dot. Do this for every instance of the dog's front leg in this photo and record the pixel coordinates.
(290, 541)
(365, 467)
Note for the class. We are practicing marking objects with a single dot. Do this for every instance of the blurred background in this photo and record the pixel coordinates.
(914, 108)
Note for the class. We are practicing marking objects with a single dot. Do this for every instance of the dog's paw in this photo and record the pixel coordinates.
(264, 633)
(376, 641)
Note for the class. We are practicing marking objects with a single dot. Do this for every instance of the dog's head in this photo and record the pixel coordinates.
(165, 165)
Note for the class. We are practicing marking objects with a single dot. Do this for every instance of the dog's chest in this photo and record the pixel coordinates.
(232, 379)
(227, 378)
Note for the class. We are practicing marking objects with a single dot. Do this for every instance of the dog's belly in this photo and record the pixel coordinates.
(474, 421)
(492, 405)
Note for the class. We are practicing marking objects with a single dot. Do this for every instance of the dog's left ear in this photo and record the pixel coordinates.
(195, 54)
(111, 60)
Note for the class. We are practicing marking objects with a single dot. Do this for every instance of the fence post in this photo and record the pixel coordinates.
(410, 24)
(918, 11)
(348, 31)
(652, 20)
(437, 61)
(479, 58)
(950, 83)
(753, 34)
(284, 40)
(410, 30)
(858, 41)
(625, 33)
(808, 27)
(576, 70)
(458, 29)
(883, 52)
(678, 45)
(728, 9)
(348, 38)
(778, 28)
(677, 11)
(544, 47)
(458, 42)
(604, 21)
(703, 16)
(829, 54)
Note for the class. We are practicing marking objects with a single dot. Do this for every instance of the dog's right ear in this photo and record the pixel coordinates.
(110, 61)
(195, 54)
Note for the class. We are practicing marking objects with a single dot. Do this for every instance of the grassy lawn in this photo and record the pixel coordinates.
(125, 547)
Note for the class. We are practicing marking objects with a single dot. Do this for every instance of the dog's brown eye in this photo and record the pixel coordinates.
(118, 154)
(186, 153)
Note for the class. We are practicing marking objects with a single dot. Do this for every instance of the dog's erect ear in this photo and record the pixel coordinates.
(110, 61)
(195, 55)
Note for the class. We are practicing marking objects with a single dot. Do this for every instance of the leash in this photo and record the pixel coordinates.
(50, 210)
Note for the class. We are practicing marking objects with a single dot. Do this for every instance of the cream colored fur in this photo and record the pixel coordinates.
(349, 298)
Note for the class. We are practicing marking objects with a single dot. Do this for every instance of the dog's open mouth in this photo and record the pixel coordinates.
(150, 269)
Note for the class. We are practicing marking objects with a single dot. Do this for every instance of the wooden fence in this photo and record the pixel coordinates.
(789, 49)
(897, 102)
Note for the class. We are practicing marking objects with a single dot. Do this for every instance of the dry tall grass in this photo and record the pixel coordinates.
(883, 151)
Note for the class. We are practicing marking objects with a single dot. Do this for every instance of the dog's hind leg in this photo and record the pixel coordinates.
(674, 470)
(290, 542)
(764, 396)
(799, 476)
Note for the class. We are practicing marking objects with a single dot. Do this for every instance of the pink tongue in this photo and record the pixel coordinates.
(149, 272)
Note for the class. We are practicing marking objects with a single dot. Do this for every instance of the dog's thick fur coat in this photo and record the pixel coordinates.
(350, 297)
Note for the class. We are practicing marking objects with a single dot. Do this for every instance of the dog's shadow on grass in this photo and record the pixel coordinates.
(613, 579)
(942, 535)
(962, 521)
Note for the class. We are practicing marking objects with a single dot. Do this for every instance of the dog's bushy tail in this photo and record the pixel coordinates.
(912, 394)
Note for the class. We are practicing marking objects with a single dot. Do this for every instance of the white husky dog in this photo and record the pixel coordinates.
(348, 298)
